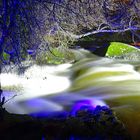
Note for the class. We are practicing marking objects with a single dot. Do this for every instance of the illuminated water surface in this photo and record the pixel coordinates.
(92, 81)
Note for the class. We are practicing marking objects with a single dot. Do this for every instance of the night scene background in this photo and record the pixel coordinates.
(69, 69)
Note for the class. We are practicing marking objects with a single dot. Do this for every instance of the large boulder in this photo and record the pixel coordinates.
(98, 43)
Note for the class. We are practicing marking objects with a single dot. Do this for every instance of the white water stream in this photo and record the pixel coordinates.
(101, 81)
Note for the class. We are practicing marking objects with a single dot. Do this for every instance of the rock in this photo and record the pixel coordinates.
(98, 43)
(87, 123)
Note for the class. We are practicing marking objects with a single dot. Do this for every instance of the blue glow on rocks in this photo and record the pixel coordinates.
(88, 103)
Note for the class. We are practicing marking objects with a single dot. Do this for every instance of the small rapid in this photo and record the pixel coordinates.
(95, 81)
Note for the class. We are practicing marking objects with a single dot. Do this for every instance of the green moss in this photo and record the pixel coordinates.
(56, 56)
(117, 49)
(6, 56)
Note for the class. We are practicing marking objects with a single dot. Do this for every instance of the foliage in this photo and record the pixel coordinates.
(59, 38)
(57, 55)
(24, 24)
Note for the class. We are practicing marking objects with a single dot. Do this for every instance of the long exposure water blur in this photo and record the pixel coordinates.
(99, 80)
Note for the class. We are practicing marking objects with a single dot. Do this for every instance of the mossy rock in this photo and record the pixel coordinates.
(117, 49)
(56, 56)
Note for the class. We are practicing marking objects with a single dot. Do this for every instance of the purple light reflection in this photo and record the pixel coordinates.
(88, 103)
(39, 105)
(41, 108)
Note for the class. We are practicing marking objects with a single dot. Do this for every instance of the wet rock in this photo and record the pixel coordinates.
(87, 124)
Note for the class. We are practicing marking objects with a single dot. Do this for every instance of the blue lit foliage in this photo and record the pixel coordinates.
(16, 27)
(22, 26)
(23, 23)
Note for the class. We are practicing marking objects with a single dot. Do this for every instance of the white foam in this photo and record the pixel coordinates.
(37, 80)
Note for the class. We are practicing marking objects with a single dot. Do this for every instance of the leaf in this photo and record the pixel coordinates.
(6, 56)
(118, 49)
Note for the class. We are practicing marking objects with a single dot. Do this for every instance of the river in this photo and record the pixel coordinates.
(95, 81)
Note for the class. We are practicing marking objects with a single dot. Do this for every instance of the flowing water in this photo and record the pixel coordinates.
(94, 81)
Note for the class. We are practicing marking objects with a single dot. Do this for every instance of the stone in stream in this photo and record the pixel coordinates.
(98, 43)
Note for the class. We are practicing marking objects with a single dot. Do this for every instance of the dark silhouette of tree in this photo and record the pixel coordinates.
(18, 23)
